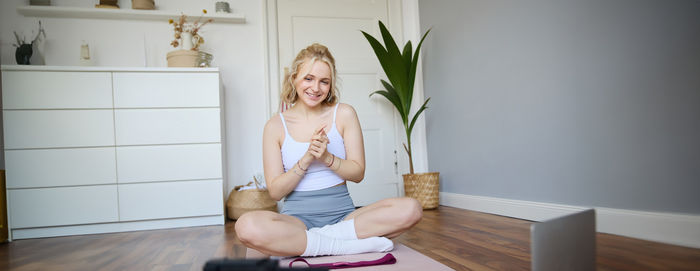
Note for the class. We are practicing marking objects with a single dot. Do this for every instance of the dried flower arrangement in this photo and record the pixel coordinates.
(193, 28)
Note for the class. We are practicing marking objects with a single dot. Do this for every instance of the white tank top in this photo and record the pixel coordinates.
(318, 175)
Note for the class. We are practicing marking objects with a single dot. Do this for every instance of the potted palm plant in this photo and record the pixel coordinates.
(400, 68)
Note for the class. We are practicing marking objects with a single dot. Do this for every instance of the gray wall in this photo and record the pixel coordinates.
(587, 102)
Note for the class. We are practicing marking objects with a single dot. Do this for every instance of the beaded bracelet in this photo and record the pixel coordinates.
(303, 171)
(297, 173)
(332, 160)
(299, 165)
(339, 161)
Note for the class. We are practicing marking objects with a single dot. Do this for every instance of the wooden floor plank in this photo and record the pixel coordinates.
(460, 239)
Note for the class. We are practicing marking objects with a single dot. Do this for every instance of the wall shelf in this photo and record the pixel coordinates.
(120, 14)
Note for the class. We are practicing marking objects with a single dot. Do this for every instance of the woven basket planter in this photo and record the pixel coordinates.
(241, 202)
(425, 187)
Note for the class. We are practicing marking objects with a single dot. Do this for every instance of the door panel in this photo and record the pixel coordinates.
(343, 37)
(336, 24)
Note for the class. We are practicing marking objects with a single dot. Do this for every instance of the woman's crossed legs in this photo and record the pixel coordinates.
(283, 235)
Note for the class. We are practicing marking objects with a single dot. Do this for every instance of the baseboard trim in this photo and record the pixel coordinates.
(671, 228)
(117, 227)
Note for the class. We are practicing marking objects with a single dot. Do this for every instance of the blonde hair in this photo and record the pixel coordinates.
(314, 52)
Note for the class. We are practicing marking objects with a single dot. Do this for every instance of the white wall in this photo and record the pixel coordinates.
(237, 49)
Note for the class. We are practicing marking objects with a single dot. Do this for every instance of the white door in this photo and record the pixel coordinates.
(337, 25)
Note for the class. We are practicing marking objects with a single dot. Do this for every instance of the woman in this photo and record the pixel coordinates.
(309, 152)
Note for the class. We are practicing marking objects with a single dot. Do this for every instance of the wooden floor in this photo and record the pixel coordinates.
(460, 239)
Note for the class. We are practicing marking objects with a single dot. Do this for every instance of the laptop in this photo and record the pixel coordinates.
(564, 243)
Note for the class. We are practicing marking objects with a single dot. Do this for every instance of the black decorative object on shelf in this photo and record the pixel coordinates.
(23, 54)
(40, 2)
(24, 50)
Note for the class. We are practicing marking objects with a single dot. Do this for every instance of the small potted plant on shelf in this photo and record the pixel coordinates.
(187, 38)
(400, 69)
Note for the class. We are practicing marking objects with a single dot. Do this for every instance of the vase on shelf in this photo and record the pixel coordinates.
(188, 41)
(23, 54)
(143, 4)
(204, 59)
(186, 56)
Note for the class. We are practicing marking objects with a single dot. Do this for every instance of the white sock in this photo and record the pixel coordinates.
(344, 230)
(320, 245)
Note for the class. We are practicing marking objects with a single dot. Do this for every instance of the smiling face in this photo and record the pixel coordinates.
(311, 73)
(313, 82)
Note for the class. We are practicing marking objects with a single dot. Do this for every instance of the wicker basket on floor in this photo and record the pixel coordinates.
(425, 187)
(243, 201)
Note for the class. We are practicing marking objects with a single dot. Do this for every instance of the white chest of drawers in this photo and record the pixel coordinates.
(94, 150)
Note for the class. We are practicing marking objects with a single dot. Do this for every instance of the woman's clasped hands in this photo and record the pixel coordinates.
(318, 146)
(319, 142)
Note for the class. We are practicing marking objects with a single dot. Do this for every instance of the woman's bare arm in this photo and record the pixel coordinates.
(279, 183)
(352, 168)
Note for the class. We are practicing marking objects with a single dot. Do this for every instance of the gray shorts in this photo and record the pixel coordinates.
(320, 207)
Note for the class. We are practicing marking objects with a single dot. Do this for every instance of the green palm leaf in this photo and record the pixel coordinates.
(415, 117)
(397, 70)
(407, 54)
(390, 94)
(403, 111)
(414, 64)
(400, 68)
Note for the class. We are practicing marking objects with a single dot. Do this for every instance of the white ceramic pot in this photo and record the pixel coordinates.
(186, 38)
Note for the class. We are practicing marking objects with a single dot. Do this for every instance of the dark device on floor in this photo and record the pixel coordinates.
(250, 265)
(564, 243)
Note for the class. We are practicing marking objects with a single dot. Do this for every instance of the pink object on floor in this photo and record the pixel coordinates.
(406, 259)
(387, 259)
